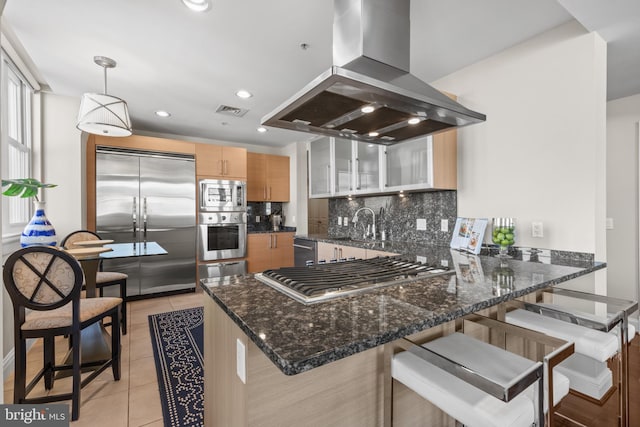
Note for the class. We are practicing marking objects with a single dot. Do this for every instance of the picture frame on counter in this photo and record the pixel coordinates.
(468, 234)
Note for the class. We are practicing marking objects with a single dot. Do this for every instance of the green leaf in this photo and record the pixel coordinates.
(23, 187)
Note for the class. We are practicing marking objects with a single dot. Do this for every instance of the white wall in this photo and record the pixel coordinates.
(62, 163)
(623, 116)
(540, 156)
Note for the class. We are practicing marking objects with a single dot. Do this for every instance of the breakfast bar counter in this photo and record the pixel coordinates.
(339, 344)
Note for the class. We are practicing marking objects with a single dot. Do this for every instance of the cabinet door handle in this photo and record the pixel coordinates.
(220, 167)
(269, 192)
(358, 174)
(386, 164)
(275, 239)
(340, 252)
(270, 242)
(264, 191)
(335, 253)
(349, 175)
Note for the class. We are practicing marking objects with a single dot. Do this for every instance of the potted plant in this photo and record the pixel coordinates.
(39, 230)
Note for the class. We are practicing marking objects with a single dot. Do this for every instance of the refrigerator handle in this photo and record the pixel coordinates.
(144, 218)
(134, 217)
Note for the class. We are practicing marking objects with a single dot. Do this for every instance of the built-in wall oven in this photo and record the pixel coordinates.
(222, 220)
(222, 235)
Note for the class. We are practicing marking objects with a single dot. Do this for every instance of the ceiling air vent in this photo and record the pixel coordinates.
(231, 111)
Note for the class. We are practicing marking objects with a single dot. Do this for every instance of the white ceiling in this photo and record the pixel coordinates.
(188, 64)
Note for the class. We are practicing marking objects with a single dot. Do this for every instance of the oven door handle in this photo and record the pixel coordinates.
(309, 248)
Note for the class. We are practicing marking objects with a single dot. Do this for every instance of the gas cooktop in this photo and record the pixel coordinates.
(322, 282)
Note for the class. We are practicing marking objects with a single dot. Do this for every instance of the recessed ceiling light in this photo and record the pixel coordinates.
(262, 129)
(198, 5)
(414, 121)
(162, 113)
(367, 109)
(373, 134)
(244, 94)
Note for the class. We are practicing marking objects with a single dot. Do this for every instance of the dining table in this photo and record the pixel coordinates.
(95, 339)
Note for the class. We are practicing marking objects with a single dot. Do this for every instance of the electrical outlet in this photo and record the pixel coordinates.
(345, 221)
(340, 221)
(444, 225)
(257, 218)
(537, 229)
(241, 370)
(421, 259)
(444, 263)
(421, 224)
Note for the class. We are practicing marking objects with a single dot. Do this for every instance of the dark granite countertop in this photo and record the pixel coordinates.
(256, 229)
(298, 337)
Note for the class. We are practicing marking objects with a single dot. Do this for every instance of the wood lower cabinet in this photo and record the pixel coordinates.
(269, 251)
(221, 161)
(267, 178)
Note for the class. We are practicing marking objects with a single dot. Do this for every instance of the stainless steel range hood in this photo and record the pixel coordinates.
(369, 94)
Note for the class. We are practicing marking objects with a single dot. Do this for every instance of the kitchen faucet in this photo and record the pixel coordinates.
(373, 227)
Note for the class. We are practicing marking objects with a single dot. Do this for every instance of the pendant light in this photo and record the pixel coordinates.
(103, 114)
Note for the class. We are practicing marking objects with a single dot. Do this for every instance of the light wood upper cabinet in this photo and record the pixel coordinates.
(269, 251)
(267, 178)
(221, 161)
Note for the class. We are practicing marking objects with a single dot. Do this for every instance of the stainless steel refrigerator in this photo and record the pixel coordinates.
(142, 196)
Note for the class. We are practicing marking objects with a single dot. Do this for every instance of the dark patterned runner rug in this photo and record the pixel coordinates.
(177, 340)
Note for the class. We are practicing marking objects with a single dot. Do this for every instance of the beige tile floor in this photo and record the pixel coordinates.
(134, 401)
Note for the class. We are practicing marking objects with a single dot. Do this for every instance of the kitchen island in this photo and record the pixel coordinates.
(327, 363)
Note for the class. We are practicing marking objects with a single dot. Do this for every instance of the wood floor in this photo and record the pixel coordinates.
(134, 401)
(606, 416)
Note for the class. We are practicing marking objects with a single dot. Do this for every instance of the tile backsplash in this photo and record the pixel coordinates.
(397, 216)
(263, 210)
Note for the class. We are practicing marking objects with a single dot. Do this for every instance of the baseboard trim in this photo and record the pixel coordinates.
(7, 364)
(8, 361)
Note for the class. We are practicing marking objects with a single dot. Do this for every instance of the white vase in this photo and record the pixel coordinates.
(39, 231)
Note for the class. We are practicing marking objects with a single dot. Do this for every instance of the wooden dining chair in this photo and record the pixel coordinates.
(103, 278)
(48, 282)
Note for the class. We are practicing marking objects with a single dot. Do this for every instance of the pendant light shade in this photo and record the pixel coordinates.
(103, 114)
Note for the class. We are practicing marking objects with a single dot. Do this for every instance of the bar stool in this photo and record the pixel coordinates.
(103, 278)
(480, 384)
(595, 343)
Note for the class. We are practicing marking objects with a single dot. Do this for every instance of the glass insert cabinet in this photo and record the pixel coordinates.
(341, 167)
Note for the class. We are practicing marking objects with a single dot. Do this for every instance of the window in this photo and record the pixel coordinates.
(17, 97)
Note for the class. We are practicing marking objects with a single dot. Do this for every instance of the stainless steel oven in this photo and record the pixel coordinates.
(218, 195)
(222, 235)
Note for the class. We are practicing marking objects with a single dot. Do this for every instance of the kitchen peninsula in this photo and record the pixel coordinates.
(325, 364)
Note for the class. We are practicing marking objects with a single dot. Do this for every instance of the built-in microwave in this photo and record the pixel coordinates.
(222, 196)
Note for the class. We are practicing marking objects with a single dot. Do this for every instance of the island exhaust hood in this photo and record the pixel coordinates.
(369, 94)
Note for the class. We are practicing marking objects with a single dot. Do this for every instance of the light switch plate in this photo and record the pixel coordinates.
(421, 259)
(257, 218)
(537, 229)
(345, 221)
(444, 225)
(339, 220)
(241, 370)
(421, 224)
